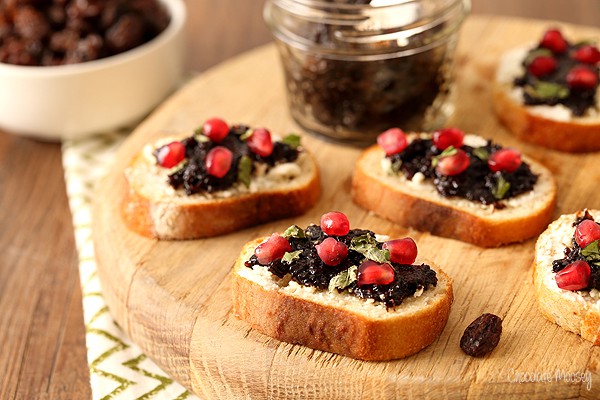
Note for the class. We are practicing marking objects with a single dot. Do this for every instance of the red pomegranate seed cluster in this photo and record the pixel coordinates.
(219, 159)
(450, 140)
(579, 77)
(576, 275)
(332, 251)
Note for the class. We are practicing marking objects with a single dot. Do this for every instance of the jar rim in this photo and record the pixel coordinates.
(362, 27)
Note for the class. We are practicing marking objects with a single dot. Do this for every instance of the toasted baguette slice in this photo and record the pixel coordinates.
(553, 127)
(577, 312)
(338, 322)
(154, 209)
(420, 206)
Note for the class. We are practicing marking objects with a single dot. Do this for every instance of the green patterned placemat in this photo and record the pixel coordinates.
(118, 368)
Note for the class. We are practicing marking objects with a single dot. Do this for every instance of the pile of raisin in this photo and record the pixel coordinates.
(56, 32)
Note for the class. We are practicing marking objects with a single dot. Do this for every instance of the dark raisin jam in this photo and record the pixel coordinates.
(354, 68)
(574, 253)
(192, 175)
(578, 99)
(309, 270)
(477, 183)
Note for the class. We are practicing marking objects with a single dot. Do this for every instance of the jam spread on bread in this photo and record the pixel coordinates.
(580, 268)
(336, 258)
(218, 156)
(560, 72)
(487, 174)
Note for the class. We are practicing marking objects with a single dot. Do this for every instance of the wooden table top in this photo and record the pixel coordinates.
(42, 337)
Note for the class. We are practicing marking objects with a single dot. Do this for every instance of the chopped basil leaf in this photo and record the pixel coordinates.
(449, 151)
(344, 279)
(367, 246)
(291, 140)
(245, 170)
(502, 188)
(289, 257)
(247, 134)
(537, 53)
(397, 166)
(294, 231)
(585, 42)
(547, 90)
(200, 136)
(591, 253)
(481, 153)
(182, 164)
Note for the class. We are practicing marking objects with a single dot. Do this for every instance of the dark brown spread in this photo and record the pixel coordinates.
(192, 175)
(477, 183)
(309, 270)
(574, 253)
(577, 100)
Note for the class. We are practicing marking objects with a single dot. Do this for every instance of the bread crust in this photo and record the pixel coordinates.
(569, 136)
(400, 203)
(325, 327)
(172, 219)
(570, 310)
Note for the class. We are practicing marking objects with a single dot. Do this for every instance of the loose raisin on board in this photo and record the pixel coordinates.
(482, 335)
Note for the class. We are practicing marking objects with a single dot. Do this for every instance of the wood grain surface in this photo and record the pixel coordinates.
(42, 342)
(173, 298)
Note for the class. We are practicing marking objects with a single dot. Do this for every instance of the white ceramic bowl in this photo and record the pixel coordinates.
(68, 101)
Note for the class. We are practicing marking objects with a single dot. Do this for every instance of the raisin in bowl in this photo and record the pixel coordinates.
(79, 99)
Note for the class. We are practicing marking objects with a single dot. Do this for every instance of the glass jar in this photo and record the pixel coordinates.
(354, 68)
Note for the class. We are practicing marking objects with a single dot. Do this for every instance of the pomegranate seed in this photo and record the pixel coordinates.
(505, 160)
(392, 141)
(542, 65)
(402, 251)
(216, 129)
(447, 137)
(582, 77)
(575, 276)
(554, 40)
(272, 249)
(332, 252)
(587, 232)
(335, 223)
(587, 54)
(454, 164)
(260, 142)
(218, 161)
(170, 154)
(374, 273)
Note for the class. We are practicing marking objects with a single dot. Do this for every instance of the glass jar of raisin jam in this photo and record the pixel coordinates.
(354, 68)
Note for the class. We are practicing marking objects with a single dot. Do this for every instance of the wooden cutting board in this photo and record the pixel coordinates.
(173, 298)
